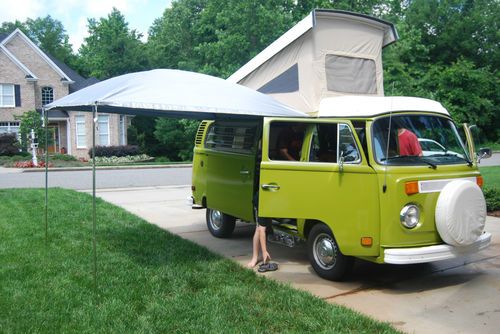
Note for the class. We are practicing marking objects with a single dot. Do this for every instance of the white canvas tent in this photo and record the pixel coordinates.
(329, 53)
(173, 93)
(167, 93)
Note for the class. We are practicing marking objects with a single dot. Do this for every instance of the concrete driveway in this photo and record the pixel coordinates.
(456, 296)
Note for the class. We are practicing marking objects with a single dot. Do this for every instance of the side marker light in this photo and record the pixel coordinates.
(366, 241)
(411, 187)
(480, 180)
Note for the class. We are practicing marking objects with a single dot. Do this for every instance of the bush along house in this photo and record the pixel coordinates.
(31, 78)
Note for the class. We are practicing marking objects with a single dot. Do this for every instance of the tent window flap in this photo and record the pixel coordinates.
(350, 75)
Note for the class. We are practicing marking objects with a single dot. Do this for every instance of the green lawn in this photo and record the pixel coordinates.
(491, 176)
(149, 280)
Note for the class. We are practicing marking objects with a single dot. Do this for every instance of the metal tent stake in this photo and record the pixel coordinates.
(94, 122)
(46, 126)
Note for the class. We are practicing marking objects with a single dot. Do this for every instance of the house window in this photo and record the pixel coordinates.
(122, 129)
(47, 95)
(9, 127)
(81, 139)
(103, 123)
(7, 97)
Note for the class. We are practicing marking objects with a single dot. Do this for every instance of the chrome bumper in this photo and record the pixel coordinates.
(434, 253)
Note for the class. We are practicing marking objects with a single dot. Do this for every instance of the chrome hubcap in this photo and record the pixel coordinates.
(325, 251)
(215, 219)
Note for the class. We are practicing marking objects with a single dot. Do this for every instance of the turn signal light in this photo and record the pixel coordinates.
(366, 241)
(479, 180)
(411, 187)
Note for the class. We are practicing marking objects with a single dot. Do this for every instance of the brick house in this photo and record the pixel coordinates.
(31, 78)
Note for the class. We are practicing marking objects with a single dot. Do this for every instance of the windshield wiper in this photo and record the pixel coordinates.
(411, 158)
(466, 159)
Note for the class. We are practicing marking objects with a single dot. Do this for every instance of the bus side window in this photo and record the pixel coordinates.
(286, 140)
(347, 145)
(324, 143)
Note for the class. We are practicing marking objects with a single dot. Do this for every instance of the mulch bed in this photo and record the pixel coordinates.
(494, 213)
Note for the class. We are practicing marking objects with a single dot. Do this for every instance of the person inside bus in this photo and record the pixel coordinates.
(407, 141)
(290, 142)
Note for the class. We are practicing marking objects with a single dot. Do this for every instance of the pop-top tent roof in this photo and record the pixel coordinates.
(173, 93)
(328, 53)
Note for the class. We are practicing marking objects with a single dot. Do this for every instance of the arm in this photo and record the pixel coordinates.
(284, 153)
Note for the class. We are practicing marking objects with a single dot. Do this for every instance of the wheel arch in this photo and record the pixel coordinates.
(310, 223)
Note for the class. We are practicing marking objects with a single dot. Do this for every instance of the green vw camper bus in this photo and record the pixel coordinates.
(354, 190)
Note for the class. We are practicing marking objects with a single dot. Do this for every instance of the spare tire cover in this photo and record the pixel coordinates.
(460, 213)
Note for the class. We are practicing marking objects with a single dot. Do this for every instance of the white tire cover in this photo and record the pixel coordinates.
(460, 213)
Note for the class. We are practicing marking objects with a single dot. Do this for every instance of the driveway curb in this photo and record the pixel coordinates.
(65, 169)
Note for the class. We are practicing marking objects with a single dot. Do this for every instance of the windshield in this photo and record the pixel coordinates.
(417, 140)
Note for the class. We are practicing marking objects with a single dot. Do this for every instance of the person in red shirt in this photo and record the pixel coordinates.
(408, 143)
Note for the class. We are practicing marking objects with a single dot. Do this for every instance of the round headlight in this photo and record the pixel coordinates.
(409, 216)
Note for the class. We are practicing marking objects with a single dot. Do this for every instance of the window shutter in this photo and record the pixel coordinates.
(17, 95)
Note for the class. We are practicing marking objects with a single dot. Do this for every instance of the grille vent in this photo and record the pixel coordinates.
(199, 134)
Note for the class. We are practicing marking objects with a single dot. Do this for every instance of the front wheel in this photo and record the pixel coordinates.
(219, 224)
(325, 255)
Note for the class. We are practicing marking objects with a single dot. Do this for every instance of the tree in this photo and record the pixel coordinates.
(8, 27)
(9, 145)
(458, 28)
(49, 34)
(177, 136)
(470, 95)
(235, 31)
(111, 49)
(141, 133)
(31, 120)
(216, 37)
(173, 37)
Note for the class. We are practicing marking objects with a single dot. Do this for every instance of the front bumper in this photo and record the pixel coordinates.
(434, 253)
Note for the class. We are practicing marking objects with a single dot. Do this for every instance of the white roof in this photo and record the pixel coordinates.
(357, 106)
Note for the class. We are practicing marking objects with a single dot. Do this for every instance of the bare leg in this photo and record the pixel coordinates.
(255, 256)
(263, 246)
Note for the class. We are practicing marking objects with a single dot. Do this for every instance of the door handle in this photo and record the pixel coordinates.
(271, 187)
(244, 172)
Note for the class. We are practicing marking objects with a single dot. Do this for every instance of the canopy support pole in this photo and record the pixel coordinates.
(46, 126)
(94, 123)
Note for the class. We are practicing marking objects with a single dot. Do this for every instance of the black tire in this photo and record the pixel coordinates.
(219, 224)
(325, 255)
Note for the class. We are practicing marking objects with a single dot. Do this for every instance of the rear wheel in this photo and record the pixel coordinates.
(219, 224)
(325, 255)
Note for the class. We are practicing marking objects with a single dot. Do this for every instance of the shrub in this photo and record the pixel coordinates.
(492, 195)
(63, 157)
(162, 159)
(9, 144)
(115, 151)
(119, 160)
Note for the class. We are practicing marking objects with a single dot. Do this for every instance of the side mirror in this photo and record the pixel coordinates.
(484, 153)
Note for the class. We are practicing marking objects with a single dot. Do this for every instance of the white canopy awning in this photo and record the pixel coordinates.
(173, 93)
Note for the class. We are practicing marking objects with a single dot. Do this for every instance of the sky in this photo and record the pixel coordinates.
(73, 14)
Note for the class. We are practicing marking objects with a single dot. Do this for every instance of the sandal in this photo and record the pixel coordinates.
(270, 266)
